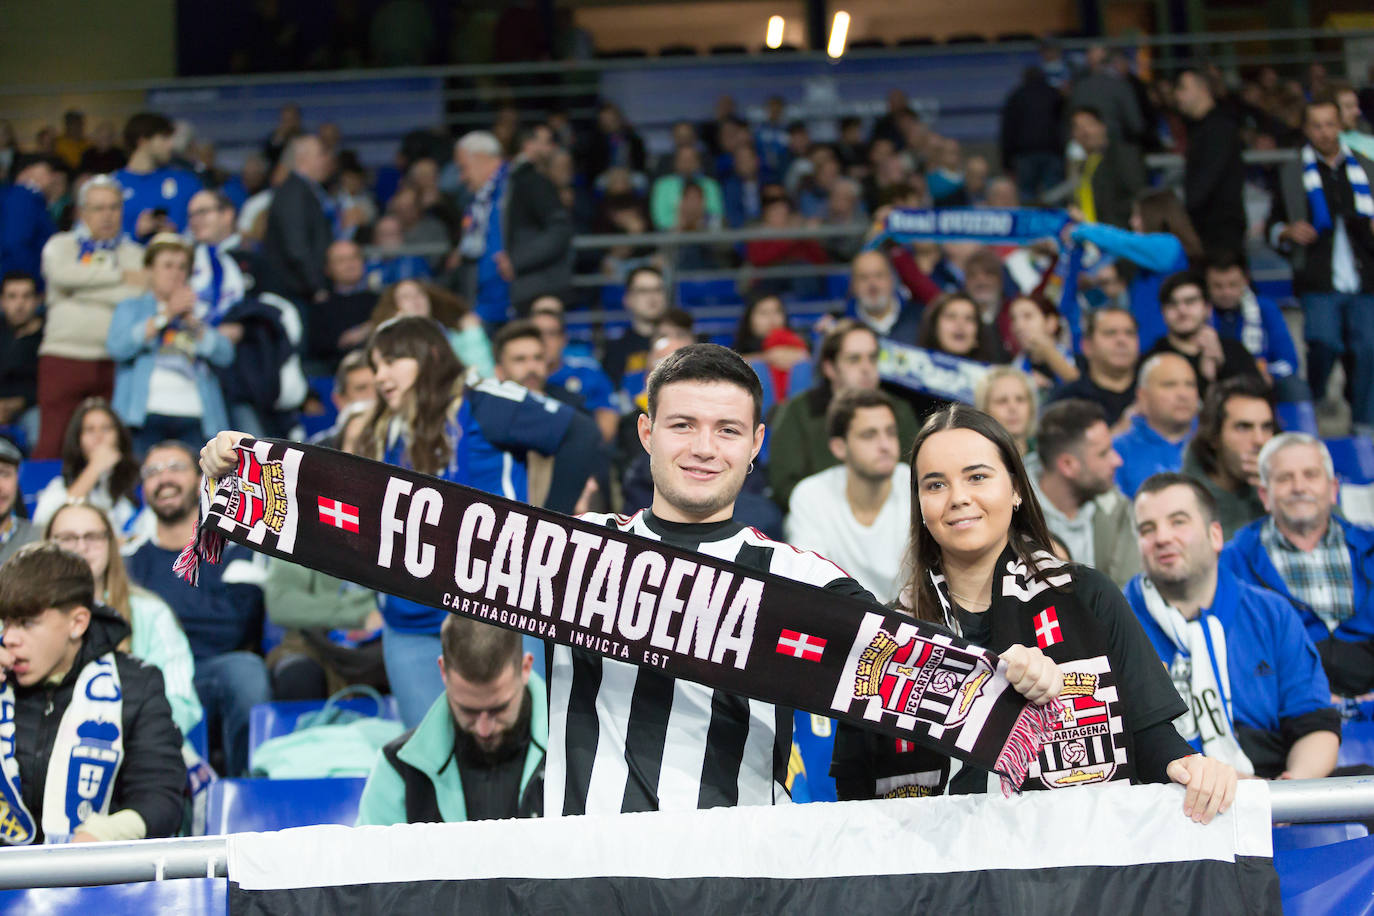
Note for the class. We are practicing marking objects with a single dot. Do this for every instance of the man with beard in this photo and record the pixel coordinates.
(1075, 482)
(1257, 698)
(1188, 317)
(1111, 343)
(1237, 419)
(1166, 397)
(877, 302)
(858, 512)
(491, 723)
(222, 618)
(1319, 561)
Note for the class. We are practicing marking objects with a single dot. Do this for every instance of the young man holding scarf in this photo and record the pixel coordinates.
(1323, 219)
(88, 748)
(1257, 696)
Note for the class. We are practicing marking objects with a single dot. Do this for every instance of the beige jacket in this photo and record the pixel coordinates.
(82, 297)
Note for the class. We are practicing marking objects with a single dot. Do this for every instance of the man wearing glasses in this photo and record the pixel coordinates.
(478, 754)
(222, 618)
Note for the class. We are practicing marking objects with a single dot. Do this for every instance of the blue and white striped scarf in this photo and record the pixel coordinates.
(1316, 197)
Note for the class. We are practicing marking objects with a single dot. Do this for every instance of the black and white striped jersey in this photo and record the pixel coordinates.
(624, 738)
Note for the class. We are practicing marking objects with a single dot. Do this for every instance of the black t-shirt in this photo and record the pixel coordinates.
(1114, 403)
(19, 364)
(1237, 361)
(871, 765)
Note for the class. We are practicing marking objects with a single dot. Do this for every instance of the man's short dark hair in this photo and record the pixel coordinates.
(143, 125)
(839, 416)
(42, 576)
(222, 201)
(1225, 259)
(833, 341)
(1321, 100)
(511, 331)
(1093, 316)
(705, 362)
(1063, 426)
(1091, 111)
(179, 446)
(1174, 282)
(478, 652)
(18, 276)
(1206, 502)
(352, 361)
(642, 269)
(1206, 444)
(680, 319)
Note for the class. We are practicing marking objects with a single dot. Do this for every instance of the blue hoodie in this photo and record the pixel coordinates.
(1246, 557)
(1276, 341)
(1273, 667)
(1145, 452)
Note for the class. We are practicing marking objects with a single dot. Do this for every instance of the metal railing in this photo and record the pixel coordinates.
(1297, 801)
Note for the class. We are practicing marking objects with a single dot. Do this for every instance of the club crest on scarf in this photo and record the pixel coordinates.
(261, 493)
(16, 824)
(1084, 748)
(921, 678)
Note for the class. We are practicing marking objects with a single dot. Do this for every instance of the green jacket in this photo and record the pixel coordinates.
(799, 447)
(426, 752)
(297, 597)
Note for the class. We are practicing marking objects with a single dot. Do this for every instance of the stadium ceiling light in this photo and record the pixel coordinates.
(774, 36)
(839, 33)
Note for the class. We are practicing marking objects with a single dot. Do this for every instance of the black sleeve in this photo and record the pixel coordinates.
(1143, 682)
(541, 205)
(848, 587)
(153, 775)
(1155, 748)
(1349, 666)
(577, 458)
(1239, 361)
(1318, 720)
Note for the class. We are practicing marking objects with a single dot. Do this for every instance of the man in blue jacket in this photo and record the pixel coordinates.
(478, 754)
(1238, 313)
(25, 225)
(1167, 408)
(1321, 562)
(1238, 655)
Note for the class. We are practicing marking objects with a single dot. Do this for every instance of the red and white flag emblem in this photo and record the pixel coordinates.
(801, 645)
(1047, 631)
(339, 514)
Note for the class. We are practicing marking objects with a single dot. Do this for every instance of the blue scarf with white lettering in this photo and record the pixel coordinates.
(988, 225)
(1316, 196)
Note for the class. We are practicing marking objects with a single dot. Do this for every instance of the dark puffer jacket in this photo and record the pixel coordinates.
(152, 775)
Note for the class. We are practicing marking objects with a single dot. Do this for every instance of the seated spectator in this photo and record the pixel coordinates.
(88, 272)
(491, 723)
(742, 189)
(1110, 348)
(251, 180)
(20, 336)
(354, 384)
(390, 266)
(772, 139)
(876, 300)
(1190, 334)
(1039, 333)
(1306, 553)
(25, 225)
(763, 335)
(1082, 505)
(1166, 418)
(800, 443)
(103, 156)
(858, 513)
(1007, 395)
(58, 641)
(778, 213)
(165, 386)
(692, 217)
(15, 530)
(646, 300)
(813, 195)
(221, 267)
(462, 326)
(344, 320)
(99, 467)
(844, 207)
(946, 179)
(614, 143)
(1255, 322)
(222, 616)
(666, 195)
(1229, 646)
(418, 226)
(1113, 173)
(985, 282)
(433, 204)
(950, 325)
(573, 378)
(1237, 419)
(157, 638)
(157, 193)
(352, 198)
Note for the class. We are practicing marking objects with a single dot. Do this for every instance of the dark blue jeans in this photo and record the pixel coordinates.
(159, 428)
(1341, 326)
(229, 686)
(1036, 173)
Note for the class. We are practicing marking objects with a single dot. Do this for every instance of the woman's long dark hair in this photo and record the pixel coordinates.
(1028, 533)
(445, 307)
(124, 477)
(1162, 211)
(928, 337)
(438, 382)
(746, 341)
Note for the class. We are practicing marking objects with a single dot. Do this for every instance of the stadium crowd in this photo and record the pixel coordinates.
(151, 300)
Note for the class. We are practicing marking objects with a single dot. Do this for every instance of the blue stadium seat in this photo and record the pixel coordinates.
(696, 293)
(1357, 744)
(322, 386)
(34, 476)
(1298, 417)
(184, 896)
(253, 805)
(15, 433)
(1305, 836)
(766, 380)
(1353, 457)
(272, 720)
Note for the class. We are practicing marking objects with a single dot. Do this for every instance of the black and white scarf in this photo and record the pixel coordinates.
(86, 756)
(598, 589)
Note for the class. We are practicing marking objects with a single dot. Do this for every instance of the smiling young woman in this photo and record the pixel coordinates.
(982, 564)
